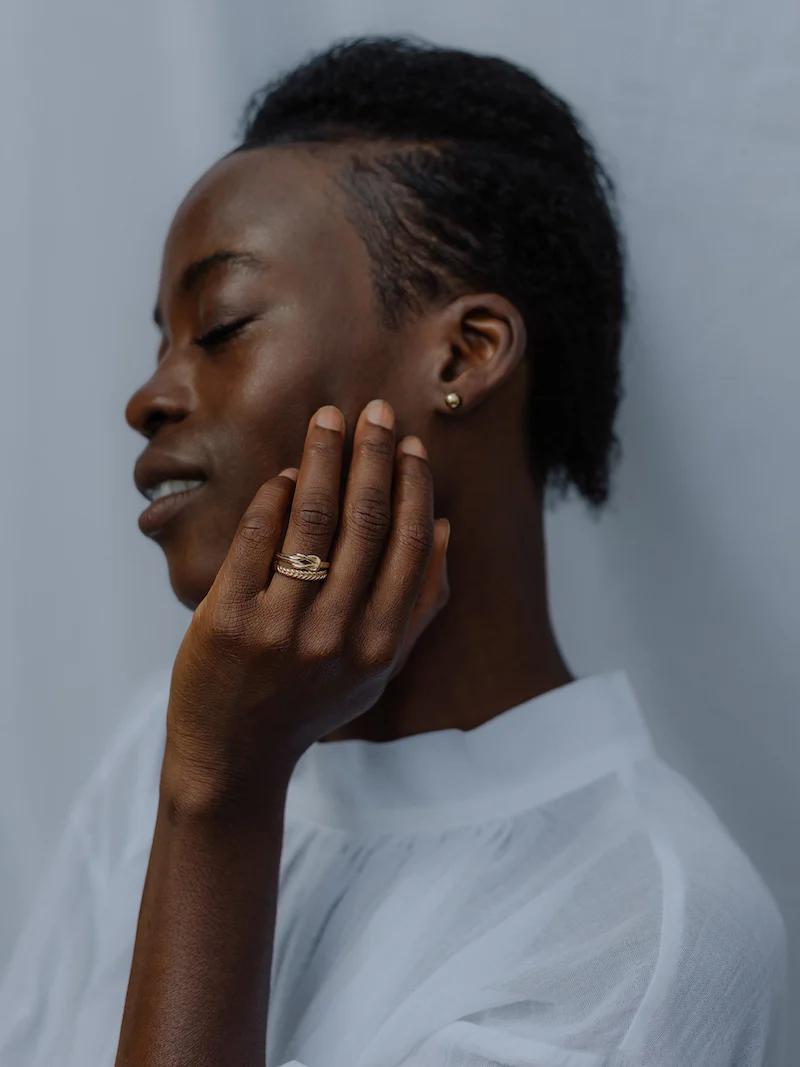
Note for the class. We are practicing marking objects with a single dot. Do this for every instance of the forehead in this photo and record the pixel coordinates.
(278, 201)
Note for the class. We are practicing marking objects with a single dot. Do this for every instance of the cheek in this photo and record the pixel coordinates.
(299, 369)
(264, 390)
(263, 409)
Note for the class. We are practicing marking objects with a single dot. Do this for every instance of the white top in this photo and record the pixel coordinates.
(542, 889)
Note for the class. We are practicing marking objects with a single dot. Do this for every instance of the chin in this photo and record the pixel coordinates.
(194, 553)
(189, 595)
(191, 576)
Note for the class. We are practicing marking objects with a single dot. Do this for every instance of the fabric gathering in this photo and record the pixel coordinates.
(543, 885)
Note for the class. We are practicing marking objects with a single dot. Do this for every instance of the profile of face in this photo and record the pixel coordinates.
(290, 298)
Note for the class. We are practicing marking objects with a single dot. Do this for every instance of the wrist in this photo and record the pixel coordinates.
(212, 789)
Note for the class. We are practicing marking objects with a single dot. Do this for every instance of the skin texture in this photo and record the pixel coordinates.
(241, 413)
(386, 646)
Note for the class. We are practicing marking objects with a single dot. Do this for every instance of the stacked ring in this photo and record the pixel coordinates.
(301, 565)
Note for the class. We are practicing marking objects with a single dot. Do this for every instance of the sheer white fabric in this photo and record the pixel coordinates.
(542, 890)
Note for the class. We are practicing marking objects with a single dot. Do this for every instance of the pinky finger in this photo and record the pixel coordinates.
(411, 539)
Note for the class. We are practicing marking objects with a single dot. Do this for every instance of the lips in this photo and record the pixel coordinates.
(163, 510)
(152, 468)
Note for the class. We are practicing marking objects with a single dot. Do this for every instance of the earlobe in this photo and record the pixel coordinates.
(485, 337)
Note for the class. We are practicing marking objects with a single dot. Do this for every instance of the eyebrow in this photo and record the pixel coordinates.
(196, 272)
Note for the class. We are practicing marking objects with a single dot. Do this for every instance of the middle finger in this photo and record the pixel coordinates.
(366, 510)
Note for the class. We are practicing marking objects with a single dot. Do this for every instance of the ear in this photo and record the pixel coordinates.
(482, 339)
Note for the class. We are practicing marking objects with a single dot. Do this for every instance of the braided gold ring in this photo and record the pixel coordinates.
(307, 576)
(303, 565)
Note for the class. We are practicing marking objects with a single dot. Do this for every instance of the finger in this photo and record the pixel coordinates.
(433, 596)
(366, 510)
(435, 588)
(246, 567)
(400, 575)
(315, 505)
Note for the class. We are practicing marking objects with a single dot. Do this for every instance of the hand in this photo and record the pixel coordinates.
(270, 663)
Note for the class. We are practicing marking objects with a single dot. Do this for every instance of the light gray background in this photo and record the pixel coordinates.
(691, 579)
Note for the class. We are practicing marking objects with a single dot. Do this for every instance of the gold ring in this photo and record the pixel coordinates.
(308, 576)
(301, 565)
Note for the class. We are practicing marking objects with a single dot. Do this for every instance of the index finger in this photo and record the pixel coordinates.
(245, 571)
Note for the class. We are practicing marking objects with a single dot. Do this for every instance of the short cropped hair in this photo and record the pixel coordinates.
(464, 173)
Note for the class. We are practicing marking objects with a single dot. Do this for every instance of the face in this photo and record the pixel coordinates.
(305, 332)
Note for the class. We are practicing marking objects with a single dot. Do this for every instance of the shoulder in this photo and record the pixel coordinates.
(717, 986)
(620, 923)
(705, 874)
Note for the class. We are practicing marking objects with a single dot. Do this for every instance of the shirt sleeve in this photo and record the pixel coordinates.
(753, 1040)
(467, 1044)
(52, 955)
(723, 1005)
(717, 996)
(54, 959)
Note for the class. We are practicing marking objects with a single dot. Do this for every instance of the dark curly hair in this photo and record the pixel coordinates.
(464, 173)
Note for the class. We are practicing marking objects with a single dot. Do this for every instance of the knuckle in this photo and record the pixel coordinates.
(258, 527)
(376, 446)
(417, 475)
(279, 643)
(226, 627)
(324, 647)
(271, 494)
(280, 634)
(378, 653)
(416, 534)
(315, 514)
(323, 447)
(328, 617)
(369, 515)
(376, 646)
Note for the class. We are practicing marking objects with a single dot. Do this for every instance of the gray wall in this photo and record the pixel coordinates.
(691, 579)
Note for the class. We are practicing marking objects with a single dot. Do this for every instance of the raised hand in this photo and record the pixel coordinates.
(270, 663)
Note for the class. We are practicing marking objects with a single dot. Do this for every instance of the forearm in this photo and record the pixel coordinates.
(199, 985)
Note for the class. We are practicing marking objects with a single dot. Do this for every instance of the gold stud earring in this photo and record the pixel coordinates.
(452, 400)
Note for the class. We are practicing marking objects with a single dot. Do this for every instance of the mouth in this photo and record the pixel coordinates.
(168, 498)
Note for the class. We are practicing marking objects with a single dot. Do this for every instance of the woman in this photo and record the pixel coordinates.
(381, 820)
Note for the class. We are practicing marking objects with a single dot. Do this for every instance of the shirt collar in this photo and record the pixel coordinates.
(532, 752)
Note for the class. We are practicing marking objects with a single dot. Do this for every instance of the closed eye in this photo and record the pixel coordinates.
(220, 334)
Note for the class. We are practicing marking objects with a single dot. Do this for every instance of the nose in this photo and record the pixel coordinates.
(156, 402)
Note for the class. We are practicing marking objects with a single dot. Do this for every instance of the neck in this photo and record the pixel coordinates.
(492, 646)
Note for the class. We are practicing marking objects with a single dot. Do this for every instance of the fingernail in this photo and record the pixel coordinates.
(290, 472)
(379, 413)
(330, 418)
(447, 534)
(413, 446)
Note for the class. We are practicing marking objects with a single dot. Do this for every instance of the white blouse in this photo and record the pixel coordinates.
(541, 890)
